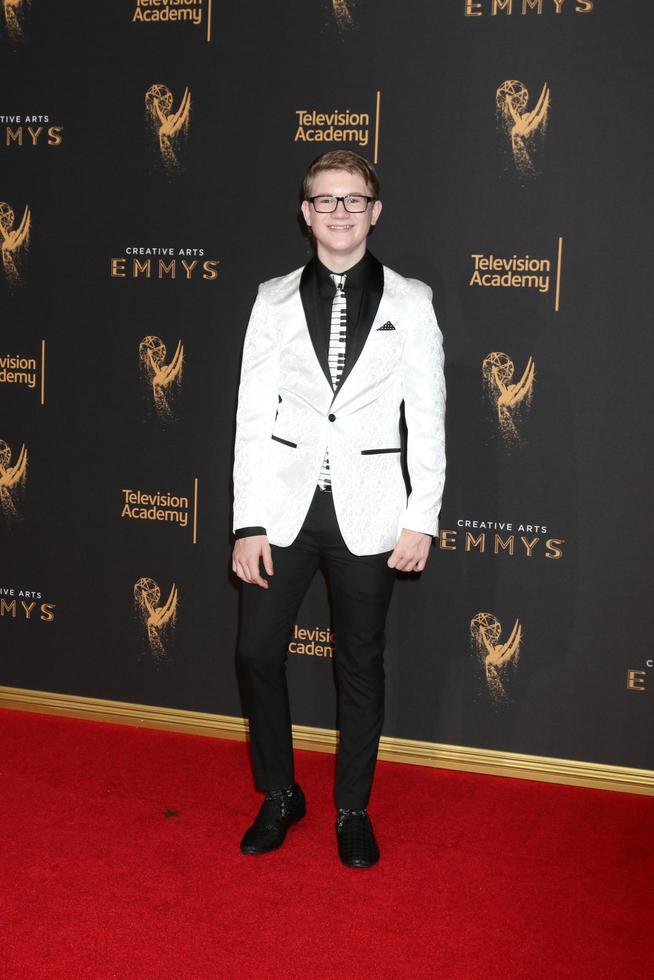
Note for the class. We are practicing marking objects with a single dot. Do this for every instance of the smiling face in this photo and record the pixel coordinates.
(340, 236)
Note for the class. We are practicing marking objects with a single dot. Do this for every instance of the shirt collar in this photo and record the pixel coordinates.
(356, 277)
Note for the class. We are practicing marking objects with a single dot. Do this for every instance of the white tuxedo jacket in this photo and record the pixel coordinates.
(288, 413)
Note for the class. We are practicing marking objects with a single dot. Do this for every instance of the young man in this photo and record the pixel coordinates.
(331, 352)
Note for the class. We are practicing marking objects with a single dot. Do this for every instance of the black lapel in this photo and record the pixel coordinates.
(309, 296)
(369, 305)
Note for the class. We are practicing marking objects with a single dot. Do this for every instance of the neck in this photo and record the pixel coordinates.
(340, 261)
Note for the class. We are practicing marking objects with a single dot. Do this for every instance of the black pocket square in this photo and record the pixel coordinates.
(386, 326)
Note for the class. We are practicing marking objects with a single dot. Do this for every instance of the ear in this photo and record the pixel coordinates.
(376, 211)
(306, 211)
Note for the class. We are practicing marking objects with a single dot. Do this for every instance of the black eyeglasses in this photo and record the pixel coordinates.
(353, 203)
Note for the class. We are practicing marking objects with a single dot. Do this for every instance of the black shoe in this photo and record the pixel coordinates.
(357, 847)
(280, 809)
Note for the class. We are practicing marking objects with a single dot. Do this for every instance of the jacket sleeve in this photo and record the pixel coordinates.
(423, 382)
(255, 415)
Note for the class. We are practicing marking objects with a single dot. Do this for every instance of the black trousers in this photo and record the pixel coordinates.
(361, 588)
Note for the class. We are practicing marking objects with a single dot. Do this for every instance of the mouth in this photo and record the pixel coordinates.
(340, 227)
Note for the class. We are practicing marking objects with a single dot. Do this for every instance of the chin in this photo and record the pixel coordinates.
(342, 241)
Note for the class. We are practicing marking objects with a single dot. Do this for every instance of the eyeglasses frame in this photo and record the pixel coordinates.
(369, 201)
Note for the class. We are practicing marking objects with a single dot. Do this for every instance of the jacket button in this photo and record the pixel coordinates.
(332, 418)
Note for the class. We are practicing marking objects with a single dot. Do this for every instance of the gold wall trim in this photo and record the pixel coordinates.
(461, 757)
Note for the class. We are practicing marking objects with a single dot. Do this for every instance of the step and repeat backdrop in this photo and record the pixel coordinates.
(151, 153)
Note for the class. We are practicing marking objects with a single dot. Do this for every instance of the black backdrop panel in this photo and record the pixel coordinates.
(513, 148)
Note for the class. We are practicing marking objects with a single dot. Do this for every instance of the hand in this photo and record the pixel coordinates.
(245, 559)
(411, 551)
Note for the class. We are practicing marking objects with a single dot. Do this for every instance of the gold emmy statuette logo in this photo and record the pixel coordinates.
(169, 126)
(499, 660)
(511, 400)
(161, 378)
(522, 126)
(15, 241)
(12, 479)
(14, 11)
(342, 13)
(158, 620)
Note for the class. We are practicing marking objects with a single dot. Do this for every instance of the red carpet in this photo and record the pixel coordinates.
(120, 860)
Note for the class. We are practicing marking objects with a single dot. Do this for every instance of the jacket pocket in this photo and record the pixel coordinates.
(285, 442)
(374, 452)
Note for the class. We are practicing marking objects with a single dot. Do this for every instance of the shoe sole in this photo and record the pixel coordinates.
(358, 866)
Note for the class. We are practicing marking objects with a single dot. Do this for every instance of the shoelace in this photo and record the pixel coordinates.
(282, 797)
(344, 813)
